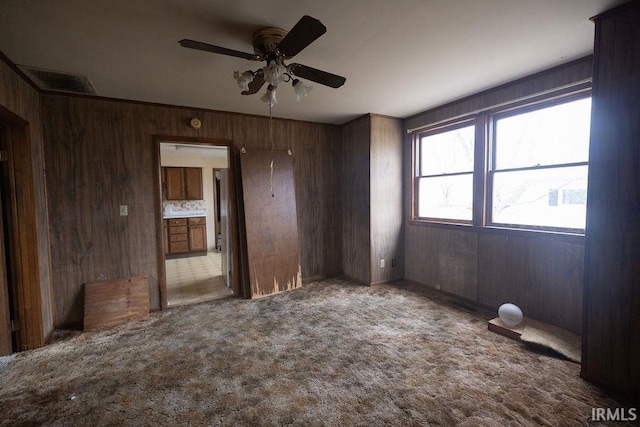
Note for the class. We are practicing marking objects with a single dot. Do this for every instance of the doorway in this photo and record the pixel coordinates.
(194, 260)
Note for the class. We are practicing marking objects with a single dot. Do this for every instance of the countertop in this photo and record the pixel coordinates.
(174, 215)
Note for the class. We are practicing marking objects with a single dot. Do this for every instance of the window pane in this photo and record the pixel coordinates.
(447, 152)
(446, 197)
(553, 135)
(549, 197)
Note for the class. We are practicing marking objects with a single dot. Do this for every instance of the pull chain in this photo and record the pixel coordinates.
(271, 147)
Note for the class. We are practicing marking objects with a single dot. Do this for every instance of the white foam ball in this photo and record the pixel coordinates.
(510, 314)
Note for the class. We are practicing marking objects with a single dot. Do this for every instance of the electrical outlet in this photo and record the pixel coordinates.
(382, 263)
(124, 210)
(394, 262)
(438, 287)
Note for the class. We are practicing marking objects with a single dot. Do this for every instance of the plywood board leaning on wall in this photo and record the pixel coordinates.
(109, 303)
(271, 222)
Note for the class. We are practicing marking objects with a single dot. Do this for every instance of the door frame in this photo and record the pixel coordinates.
(7, 295)
(21, 233)
(162, 271)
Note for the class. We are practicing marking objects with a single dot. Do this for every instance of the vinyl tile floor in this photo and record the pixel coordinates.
(195, 279)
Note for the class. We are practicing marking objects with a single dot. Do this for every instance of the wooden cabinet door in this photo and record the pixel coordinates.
(193, 178)
(175, 183)
(197, 238)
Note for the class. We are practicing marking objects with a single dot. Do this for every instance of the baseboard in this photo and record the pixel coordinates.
(385, 282)
(465, 300)
(355, 279)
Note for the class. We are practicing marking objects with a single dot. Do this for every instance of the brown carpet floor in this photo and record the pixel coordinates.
(332, 353)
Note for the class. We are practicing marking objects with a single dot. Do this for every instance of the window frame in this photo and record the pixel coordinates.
(484, 160)
(417, 173)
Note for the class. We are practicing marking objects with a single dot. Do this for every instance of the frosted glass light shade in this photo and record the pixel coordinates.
(510, 314)
(300, 89)
(274, 73)
(270, 96)
(243, 79)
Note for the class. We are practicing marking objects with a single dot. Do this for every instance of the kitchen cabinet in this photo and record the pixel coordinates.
(197, 235)
(185, 236)
(174, 182)
(193, 183)
(178, 236)
(182, 183)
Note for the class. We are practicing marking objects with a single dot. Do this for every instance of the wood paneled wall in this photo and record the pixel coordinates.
(387, 239)
(539, 272)
(22, 100)
(611, 340)
(356, 199)
(99, 154)
(372, 198)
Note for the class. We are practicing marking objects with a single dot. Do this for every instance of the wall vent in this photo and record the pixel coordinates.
(58, 81)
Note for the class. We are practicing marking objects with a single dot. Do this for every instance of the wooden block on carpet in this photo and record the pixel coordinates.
(109, 303)
(514, 332)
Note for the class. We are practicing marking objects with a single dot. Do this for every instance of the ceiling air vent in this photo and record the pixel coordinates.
(59, 81)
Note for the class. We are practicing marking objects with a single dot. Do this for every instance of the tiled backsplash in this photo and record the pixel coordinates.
(184, 205)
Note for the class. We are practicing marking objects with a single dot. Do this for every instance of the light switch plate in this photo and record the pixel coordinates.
(124, 210)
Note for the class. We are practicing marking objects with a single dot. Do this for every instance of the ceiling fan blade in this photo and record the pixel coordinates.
(192, 44)
(318, 76)
(301, 35)
(255, 85)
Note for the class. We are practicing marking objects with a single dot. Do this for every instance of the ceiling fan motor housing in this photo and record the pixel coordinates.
(265, 40)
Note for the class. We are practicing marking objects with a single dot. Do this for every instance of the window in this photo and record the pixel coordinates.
(529, 164)
(445, 174)
(539, 172)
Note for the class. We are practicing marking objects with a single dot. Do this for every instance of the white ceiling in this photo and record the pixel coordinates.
(399, 57)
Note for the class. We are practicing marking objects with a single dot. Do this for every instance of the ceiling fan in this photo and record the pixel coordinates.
(275, 46)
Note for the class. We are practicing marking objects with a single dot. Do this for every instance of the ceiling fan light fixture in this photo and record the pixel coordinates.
(301, 90)
(270, 96)
(243, 79)
(276, 47)
(274, 73)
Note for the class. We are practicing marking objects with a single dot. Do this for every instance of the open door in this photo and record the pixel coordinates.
(225, 232)
(271, 222)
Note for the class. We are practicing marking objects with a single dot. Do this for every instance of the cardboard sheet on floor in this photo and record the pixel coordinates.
(537, 333)
(109, 303)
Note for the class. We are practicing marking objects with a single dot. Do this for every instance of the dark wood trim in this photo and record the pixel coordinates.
(178, 107)
(480, 171)
(162, 272)
(6, 294)
(10, 118)
(18, 71)
(623, 8)
(22, 233)
(161, 250)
